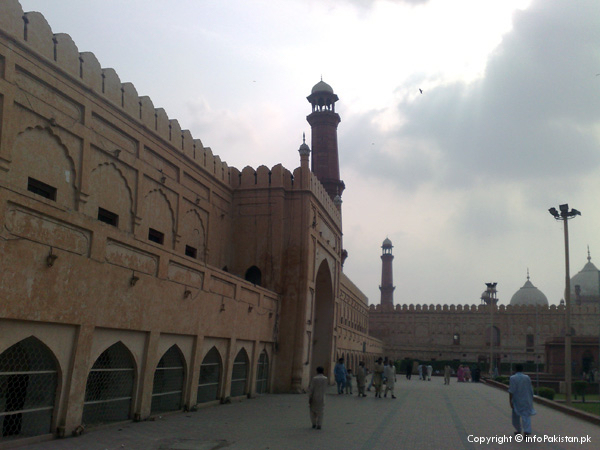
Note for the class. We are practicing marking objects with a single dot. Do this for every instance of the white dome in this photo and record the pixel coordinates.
(529, 295)
(588, 280)
(321, 86)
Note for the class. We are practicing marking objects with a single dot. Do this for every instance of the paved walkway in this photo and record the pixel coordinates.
(426, 415)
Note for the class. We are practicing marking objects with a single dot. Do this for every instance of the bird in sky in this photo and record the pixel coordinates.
(421, 90)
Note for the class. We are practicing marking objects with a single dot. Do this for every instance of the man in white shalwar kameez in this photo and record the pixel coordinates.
(389, 372)
(521, 401)
(316, 398)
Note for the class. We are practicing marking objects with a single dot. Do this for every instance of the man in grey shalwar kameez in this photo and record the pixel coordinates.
(521, 400)
(316, 398)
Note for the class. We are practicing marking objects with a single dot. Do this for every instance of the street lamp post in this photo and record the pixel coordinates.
(565, 215)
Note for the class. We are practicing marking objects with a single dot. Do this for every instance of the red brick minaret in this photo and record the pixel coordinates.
(323, 121)
(387, 278)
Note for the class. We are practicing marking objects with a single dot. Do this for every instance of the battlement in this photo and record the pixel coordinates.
(32, 30)
(280, 177)
(557, 309)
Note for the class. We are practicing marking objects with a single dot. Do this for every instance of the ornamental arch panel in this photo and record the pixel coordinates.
(28, 385)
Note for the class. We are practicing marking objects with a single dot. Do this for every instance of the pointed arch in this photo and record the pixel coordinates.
(239, 376)
(209, 384)
(169, 377)
(29, 379)
(109, 387)
(323, 321)
(262, 373)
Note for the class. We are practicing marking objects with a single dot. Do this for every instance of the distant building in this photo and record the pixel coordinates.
(140, 274)
(527, 330)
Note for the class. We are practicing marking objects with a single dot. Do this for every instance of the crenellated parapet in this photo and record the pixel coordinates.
(280, 177)
(508, 309)
(33, 31)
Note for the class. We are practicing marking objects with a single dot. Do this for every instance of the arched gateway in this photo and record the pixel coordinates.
(322, 343)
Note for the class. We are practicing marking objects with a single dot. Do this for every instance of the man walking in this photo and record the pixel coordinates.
(429, 372)
(340, 374)
(378, 377)
(447, 374)
(361, 378)
(316, 398)
(521, 401)
(390, 375)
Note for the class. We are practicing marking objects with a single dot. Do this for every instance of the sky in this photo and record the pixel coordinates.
(460, 177)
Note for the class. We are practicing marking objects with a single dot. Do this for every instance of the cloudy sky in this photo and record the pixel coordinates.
(460, 178)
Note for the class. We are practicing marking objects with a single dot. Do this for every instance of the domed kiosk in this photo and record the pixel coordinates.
(529, 295)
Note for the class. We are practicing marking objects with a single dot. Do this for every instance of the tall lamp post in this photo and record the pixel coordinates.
(564, 214)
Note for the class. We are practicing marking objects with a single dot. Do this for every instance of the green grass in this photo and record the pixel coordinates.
(592, 408)
(588, 397)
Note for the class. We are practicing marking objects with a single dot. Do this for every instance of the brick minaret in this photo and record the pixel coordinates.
(387, 278)
(324, 121)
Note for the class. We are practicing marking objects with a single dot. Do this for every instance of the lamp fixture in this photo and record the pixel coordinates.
(222, 307)
(117, 152)
(51, 258)
(250, 308)
(187, 292)
(134, 279)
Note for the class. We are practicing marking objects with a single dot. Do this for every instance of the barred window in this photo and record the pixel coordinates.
(167, 390)
(262, 373)
(240, 374)
(109, 388)
(210, 377)
(28, 383)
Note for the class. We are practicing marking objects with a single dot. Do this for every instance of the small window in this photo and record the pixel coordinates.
(108, 217)
(42, 189)
(156, 236)
(190, 251)
(529, 342)
(253, 275)
(456, 339)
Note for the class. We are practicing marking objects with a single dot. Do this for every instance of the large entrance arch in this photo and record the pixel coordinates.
(323, 321)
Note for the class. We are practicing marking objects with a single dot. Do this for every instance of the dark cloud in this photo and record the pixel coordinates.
(531, 116)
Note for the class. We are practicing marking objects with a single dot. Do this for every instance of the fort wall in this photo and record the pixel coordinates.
(463, 332)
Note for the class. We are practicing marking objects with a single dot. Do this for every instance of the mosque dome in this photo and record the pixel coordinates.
(529, 295)
(387, 243)
(321, 86)
(586, 284)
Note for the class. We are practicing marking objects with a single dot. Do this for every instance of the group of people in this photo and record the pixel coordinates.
(425, 372)
(384, 372)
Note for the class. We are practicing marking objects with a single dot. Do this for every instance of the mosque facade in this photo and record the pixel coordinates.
(140, 274)
(527, 330)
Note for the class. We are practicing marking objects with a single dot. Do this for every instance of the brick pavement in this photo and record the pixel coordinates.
(426, 415)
